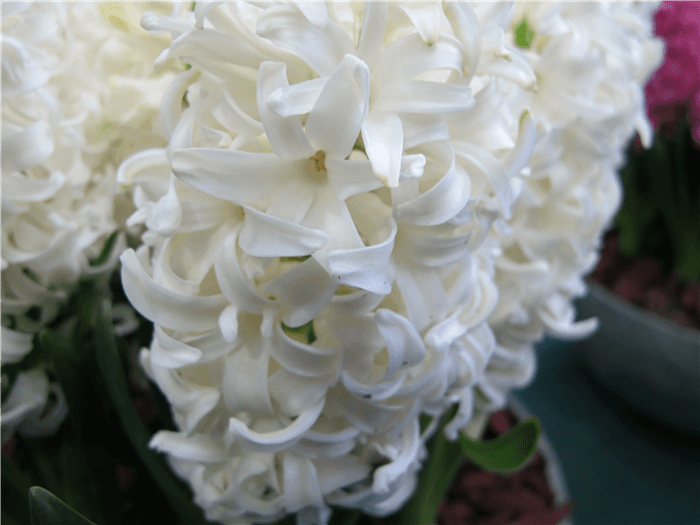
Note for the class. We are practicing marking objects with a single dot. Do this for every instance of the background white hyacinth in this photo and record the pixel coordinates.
(79, 95)
(367, 212)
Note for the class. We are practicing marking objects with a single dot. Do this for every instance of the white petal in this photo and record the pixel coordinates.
(233, 283)
(330, 215)
(285, 133)
(198, 447)
(300, 483)
(171, 106)
(212, 46)
(44, 422)
(382, 134)
(410, 56)
(322, 49)
(340, 472)
(228, 323)
(292, 203)
(351, 177)
(237, 176)
(478, 159)
(302, 292)
(372, 35)
(191, 402)
(150, 164)
(423, 295)
(403, 342)
(277, 439)
(430, 249)
(167, 308)
(295, 393)
(366, 268)
(386, 475)
(23, 188)
(420, 128)
(327, 445)
(26, 149)
(297, 99)
(315, 12)
(244, 380)
(167, 213)
(377, 391)
(370, 417)
(337, 116)
(229, 113)
(171, 353)
(302, 359)
(426, 17)
(266, 236)
(419, 96)
(27, 395)
(15, 345)
(441, 202)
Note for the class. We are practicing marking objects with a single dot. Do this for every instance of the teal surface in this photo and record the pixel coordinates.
(621, 468)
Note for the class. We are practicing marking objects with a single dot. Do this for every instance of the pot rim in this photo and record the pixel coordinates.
(623, 307)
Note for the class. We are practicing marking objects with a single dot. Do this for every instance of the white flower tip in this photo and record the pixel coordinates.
(228, 323)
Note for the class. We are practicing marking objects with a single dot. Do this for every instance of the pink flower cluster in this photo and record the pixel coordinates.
(676, 84)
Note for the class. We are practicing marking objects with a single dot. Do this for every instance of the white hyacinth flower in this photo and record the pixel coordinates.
(327, 169)
(592, 61)
(79, 95)
(353, 171)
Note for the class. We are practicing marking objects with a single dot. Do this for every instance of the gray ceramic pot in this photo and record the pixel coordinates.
(647, 361)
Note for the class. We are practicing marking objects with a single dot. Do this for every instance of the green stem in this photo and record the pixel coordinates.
(110, 365)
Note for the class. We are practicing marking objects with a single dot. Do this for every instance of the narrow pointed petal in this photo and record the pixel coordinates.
(298, 99)
(366, 268)
(165, 307)
(198, 447)
(322, 48)
(284, 133)
(403, 342)
(244, 380)
(382, 134)
(277, 439)
(419, 96)
(440, 203)
(315, 12)
(351, 177)
(303, 292)
(267, 236)
(302, 359)
(237, 176)
(336, 118)
(372, 35)
(233, 283)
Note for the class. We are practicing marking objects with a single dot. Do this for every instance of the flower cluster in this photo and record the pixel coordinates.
(366, 212)
(676, 84)
(79, 95)
(591, 61)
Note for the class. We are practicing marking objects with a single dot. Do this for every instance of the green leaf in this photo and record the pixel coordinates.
(506, 453)
(15, 485)
(7, 519)
(115, 381)
(106, 249)
(343, 516)
(47, 509)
